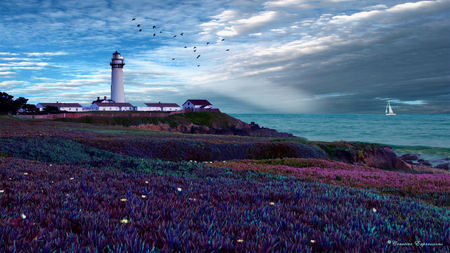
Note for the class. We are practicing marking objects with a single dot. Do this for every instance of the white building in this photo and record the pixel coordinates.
(164, 107)
(198, 105)
(117, 89)
(70, 107)
(110, 105)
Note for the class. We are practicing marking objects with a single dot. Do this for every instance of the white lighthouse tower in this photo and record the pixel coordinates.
(117, 90)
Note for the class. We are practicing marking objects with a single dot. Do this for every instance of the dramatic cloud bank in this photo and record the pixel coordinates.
(291, 56)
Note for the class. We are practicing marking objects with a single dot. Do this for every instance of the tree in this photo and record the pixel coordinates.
(10, 106)
(30, 109)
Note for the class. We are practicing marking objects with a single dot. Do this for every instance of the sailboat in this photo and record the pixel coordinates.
(389, 111)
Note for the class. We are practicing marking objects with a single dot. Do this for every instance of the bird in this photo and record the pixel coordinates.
(185, 46)
(173, 59)
(154, 26)
(133, 19)
(195, 50)
(207, 43)
(160, 31)
(198, 56)
(181, 34)
(138, 25)
(223, 39)
(198, 66)
(140, 30)
(175, 36)
(227, 50)
(154, 34)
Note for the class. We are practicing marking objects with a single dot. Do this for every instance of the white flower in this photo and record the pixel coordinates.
(25, 173)
(313, 241)
(71, 178)
(374, 210)
(179, 189)
(2, 191)
(240, 240)
(146, 182)
(272, 203)
(123, 199)
(124, 221)
(23, 216)
(143, 196)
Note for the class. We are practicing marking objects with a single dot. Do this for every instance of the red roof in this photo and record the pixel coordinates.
(161, 104)
(100, 104)
(202, 102)
(61, 104)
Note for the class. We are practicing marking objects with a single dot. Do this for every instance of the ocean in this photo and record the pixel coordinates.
(426, 134)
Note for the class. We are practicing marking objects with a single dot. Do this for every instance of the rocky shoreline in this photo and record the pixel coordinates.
(381, 156)
(364, 154)
(239, 128)
(414, 159)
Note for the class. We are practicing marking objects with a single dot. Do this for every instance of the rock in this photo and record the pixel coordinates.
(443, 166)
(383, 157)
(347, 156)
(443, 160)
(239, 128)
(400, 164)
(424, 162)
(410, 157)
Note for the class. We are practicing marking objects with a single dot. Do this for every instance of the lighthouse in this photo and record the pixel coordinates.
(117, 90)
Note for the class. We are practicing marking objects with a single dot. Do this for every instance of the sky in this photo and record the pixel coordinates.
(285, 56)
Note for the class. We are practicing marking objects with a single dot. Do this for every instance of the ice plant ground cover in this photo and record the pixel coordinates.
(72, 208)
(79, 187)
(432, 188)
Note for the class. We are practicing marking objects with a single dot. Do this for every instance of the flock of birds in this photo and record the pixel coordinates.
(155, 32)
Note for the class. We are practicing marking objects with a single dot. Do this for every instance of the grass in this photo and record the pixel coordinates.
(209, 119)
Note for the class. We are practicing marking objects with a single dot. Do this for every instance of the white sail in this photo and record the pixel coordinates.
(389, 110)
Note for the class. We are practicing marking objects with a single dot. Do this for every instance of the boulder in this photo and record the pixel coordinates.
(383, 157)
(400, 164)
(410, 157)
(424, 162)
(443, 166)
(439, 161)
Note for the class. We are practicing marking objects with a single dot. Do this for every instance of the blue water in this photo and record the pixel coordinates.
(428, 134)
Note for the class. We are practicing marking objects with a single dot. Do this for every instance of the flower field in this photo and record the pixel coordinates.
(433, 188)
(64, 207)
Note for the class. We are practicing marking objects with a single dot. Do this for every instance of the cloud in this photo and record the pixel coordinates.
(8, 53)
(7, 73)
(23, 64)
(11, 83)
(230, 23)
(285, 3)
(46, 54)
(397, 12)
(17, 59)
(397, 101)
(375, 7)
